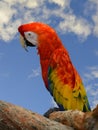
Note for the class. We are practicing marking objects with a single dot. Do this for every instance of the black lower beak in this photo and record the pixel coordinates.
(28, 43)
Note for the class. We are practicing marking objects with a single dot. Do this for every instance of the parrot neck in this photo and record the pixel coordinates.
(45, 51)
(47, 48)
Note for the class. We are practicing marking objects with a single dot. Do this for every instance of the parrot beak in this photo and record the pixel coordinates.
(25, 43)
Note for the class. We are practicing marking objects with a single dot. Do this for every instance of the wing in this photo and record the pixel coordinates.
(65, 84)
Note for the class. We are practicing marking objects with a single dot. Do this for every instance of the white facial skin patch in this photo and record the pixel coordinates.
(31, 37)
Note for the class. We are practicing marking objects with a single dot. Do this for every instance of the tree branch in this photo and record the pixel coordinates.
(16, 118)
(13, 117)
(77, 119)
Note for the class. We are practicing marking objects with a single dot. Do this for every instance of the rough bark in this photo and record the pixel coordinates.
(77, 119)
(13, 117)
(17, 118)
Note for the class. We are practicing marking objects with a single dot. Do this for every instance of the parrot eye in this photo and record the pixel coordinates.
(31, 37)
(29, 34)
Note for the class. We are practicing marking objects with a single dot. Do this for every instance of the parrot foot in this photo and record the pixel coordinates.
(51, 110)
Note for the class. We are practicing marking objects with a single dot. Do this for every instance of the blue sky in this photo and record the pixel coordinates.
(76, 23)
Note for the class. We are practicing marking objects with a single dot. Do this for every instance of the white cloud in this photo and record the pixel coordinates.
(94, 1)
(92, 73)
(6, 12)
(95, 102)
(8, 27)
(90, 79)
(53, 103)
(92, 10)
(94, 93)
(35, 73)
(95, 20)
(62, 3)
(13, 13)
(31, 4)
(79, 26)
(96, 53)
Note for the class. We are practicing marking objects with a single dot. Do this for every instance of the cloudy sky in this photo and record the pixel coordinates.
(76, 23)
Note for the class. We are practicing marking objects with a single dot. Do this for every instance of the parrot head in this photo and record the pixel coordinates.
(35, 33)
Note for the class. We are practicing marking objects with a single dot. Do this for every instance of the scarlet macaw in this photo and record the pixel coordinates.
(60, 76)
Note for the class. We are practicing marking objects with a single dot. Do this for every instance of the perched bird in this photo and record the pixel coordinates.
(60, 76)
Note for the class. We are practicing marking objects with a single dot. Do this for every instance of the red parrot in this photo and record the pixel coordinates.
(59, 74)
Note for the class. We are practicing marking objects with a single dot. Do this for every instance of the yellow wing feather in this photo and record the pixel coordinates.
(65, 83)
